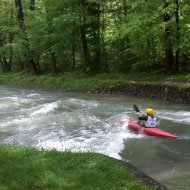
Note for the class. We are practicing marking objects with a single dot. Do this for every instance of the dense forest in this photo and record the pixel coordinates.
(94, 36)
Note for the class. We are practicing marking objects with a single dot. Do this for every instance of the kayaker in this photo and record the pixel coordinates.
(147, 120)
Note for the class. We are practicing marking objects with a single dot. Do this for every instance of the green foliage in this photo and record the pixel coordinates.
(119, 35)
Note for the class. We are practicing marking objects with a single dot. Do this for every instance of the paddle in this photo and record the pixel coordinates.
(136, 108)
(141, 123)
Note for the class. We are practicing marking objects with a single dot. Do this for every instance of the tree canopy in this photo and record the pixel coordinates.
(94, 36)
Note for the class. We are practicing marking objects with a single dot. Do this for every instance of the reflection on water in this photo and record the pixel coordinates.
(78, 122)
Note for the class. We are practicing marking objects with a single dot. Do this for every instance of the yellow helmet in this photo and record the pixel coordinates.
(149, 111)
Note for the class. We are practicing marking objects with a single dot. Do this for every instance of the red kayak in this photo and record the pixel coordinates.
(153, 131)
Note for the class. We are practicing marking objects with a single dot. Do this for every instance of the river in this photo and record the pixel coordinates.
(83, 122)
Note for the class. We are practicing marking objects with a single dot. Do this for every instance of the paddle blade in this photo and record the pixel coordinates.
(136, 108)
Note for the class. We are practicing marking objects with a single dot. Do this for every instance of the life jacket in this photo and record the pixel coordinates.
(151, 122)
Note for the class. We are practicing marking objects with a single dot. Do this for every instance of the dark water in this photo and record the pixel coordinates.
(79, 122)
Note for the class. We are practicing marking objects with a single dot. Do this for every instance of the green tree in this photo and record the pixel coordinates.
(94, 36)
(30, 61)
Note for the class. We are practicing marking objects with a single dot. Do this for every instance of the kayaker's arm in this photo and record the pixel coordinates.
(143, 117)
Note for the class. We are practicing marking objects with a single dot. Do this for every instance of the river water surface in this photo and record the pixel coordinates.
(81, 122)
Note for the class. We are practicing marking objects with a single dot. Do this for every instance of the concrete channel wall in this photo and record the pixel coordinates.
(166, 92)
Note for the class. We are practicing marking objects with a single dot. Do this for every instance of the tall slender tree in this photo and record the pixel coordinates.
(169, 57)
(4, 64)
(177, 53)
(6, 38)
(30, 61)
(86, 54)
(32, 4)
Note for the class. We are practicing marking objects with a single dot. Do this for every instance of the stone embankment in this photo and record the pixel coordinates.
(166, 92)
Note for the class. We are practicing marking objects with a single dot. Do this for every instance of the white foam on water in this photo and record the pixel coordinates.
(9, 98)
(177, 117)
(106, 139)
(79, 103)
(77, 126)
(14, 122)
(8, 102)
(33, 95)
(14, 102)
(45, 108)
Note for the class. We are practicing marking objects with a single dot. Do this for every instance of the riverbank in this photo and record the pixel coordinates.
(175, 88)
(27, 168)
(91, 85)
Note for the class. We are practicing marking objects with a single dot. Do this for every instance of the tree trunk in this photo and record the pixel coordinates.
(32, 5)
(102, 34)
(51, 51)
(86, 54)
(115, 20)
(11, 36)
(85, 49)
(1, 64)
(125, 7)
(31, 64)
(5, 66)
(96, 35)
(169, 57)
(53, 64)
(73, 55)
(177, 36)
(18, 4)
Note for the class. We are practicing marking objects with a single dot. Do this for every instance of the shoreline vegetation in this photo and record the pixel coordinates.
(81, 82)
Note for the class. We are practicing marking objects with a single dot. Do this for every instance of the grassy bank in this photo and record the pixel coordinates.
(83, 82)
(29, 169)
